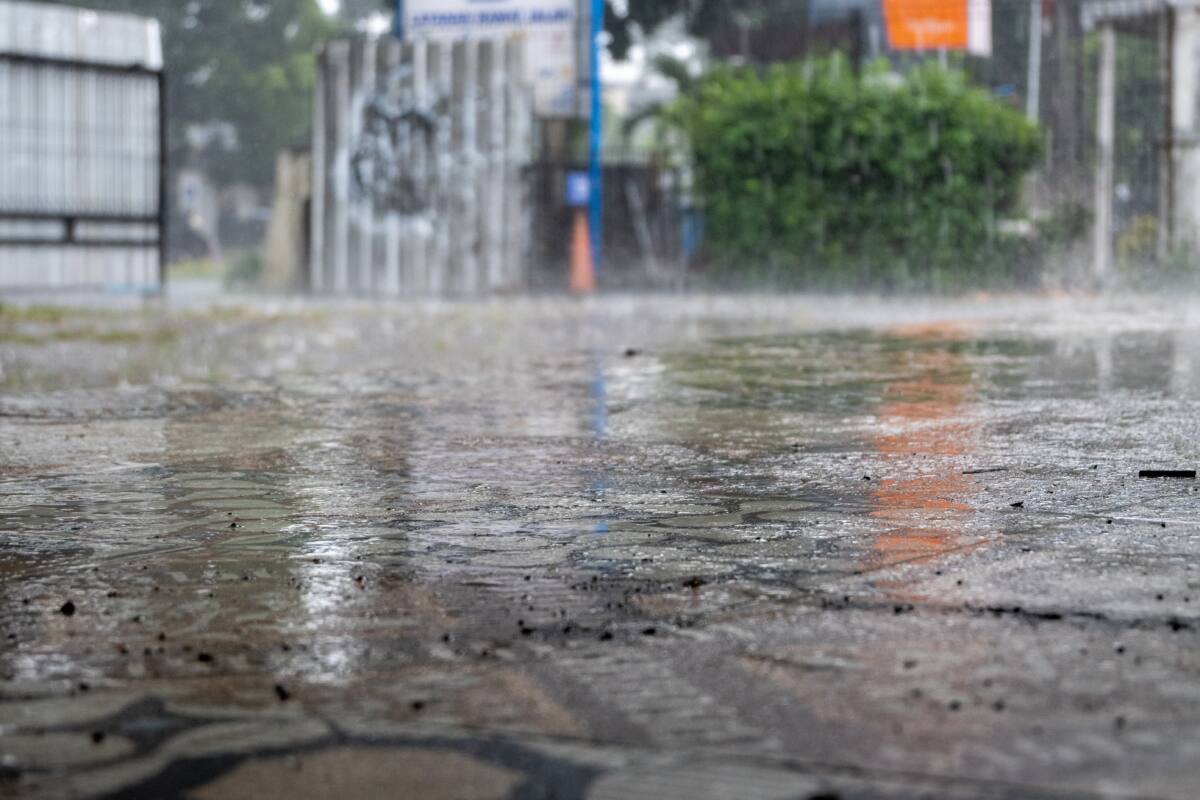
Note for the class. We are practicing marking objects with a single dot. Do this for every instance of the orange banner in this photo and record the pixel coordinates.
(939, 25)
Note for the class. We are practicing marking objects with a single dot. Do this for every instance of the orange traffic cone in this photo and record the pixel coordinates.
(583, 275)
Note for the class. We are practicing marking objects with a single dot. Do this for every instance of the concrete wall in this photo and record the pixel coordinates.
(419, 152)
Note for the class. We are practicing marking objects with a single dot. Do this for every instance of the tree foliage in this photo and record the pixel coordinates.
(703, 18)
(249, 64)
(836, 179)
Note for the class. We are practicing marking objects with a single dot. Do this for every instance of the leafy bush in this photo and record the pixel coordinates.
(815, 175)
(1138, 245)
(246, 271)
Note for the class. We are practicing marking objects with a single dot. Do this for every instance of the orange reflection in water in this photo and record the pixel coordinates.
(923, 423)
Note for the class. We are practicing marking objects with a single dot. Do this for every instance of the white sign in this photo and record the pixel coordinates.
(548, 25)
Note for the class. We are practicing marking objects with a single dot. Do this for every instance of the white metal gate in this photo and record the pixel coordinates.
(419, 159)
(82, 149)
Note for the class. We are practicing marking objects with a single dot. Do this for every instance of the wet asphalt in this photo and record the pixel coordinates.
(660, 547)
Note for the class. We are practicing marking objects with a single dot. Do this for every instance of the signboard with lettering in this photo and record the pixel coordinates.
(548, 25)
(939, 25)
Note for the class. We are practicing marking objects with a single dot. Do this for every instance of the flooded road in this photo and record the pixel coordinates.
(659, 548)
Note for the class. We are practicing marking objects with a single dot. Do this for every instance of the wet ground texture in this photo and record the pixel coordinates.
(751, 548)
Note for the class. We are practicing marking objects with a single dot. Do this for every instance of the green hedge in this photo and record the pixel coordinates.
(815, 175)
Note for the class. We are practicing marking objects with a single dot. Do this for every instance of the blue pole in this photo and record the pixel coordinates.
(595, 139)
(398, 20)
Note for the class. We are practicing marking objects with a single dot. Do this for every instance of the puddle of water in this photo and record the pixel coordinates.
(369, 507)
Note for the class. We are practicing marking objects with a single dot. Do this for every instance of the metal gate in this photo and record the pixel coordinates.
(419, 159)
(82, 150)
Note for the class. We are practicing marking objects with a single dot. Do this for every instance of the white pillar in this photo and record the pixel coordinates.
(1102, 243)
(1034, 73)
(1166, 155)
(1185, 83)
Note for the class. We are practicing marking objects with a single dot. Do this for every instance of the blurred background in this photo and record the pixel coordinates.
(427, 148)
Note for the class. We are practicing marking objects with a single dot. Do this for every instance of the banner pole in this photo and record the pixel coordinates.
(595, 140)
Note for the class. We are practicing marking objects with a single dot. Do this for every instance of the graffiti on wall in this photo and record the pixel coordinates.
(391, 163)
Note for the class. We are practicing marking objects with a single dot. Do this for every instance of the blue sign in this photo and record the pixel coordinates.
(579, 189)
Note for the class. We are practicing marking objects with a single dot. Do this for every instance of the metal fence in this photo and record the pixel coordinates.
(1098, 77)
(82, 150)
(643, 225)
(1108, 135)
(1127, 165)
(419, 158)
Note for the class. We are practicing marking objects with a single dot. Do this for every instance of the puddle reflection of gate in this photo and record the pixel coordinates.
(924, 420)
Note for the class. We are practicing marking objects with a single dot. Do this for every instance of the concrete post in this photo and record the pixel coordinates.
(1102, 232)
(316, 223)
(1185, 84)
(284, 248)
(1166, 165)
(1065, 116)
(1034, 72)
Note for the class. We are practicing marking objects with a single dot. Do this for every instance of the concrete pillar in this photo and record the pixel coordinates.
(1106, 103)
(1064, 118)
(1033, 88)
(284, 248)
(1185, 152)
(316, 222)
(1164, 161)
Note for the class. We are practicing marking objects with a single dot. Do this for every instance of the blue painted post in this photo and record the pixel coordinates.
(595, 140)
(398, 20)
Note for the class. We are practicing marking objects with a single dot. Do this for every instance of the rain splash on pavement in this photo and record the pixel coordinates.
(739, 547)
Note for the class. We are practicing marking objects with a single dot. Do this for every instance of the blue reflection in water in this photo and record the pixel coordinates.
(599, 398)
(599, 395)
